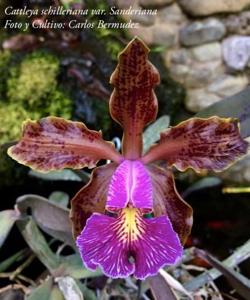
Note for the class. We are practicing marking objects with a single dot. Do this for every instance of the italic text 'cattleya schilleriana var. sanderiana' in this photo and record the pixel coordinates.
(129, 219)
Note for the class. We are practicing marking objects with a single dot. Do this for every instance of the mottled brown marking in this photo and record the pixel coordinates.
(168, 201)
(210, 144)
(133, 103)
(54, 143)
(91, 198)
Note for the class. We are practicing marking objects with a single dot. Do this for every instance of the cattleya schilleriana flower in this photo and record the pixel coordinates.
(129, 219)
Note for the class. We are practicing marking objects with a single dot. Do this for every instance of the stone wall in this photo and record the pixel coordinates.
(207, 44)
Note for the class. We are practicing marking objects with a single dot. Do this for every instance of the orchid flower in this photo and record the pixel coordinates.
(129, 219)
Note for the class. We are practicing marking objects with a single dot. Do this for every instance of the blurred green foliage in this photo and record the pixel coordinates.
(30, 89)
(111, 38)
(10, 117)
(10, 171)
(4, 67)
(170, 93)
(68, 3)
(32, 81)
(103, 119)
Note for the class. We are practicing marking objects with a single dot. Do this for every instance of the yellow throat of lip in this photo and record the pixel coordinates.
(131, 227)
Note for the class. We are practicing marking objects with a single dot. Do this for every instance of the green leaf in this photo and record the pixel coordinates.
(50, 217)
(7, 220)
(42, 292)
(236, 106)
(60, 198)
(64, 175)
(88, 294)
(56, 294)
(158, 49)
(239, 255)
(72, 266)
(20, 255)
(82, 174)
(203, 183)
(38, 244)
(58, 266)
(68, 3)
(152, 134)
(69, 288)
(239, 282)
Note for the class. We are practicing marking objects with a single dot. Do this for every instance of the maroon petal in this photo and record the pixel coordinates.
(54, 143)
(168, 202)
(211, 144)
(130, 184)
(128, 244)
(133, 103)
(91, 198)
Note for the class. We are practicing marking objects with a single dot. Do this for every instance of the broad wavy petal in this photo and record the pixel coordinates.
(201, 144)
(167, 201)
(54, 143)
(91, 198)
(128, 244)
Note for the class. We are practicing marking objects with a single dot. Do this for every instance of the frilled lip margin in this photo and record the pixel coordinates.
(128, 244)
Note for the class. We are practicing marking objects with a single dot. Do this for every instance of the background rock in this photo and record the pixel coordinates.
(145, 33)
(164, 35)
(179, 73)
(206, 8)
(154, 3)
(197, 99)
(200, 75)
(178, 56)
(207, 52)
(144, 19)
(124, 3)
(171, 14)
(236, 52)
(228, 85)
(202, 32)
(238, 24)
